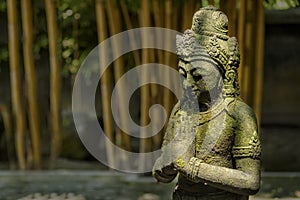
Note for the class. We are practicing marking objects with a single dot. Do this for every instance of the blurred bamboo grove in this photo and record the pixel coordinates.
(68, 29)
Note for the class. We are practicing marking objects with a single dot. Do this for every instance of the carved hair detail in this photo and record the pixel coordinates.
(188, 46)
(210, 20)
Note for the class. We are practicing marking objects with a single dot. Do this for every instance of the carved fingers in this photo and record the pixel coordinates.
(167, 175)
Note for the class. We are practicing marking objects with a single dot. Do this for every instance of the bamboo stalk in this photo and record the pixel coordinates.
(158, 22)
(188, 8)
(176, 11)
(30, 75)
(105, 81)
(232, 18)
(114, 20)
(259, 61)
(8, 135)
(29, 151)
(55, 80)
(198, 6)
(17, 105)
(156, 120)
(154, 99)
(158, 19)
(191, 6)
(156, 96)
(155, 91)
(155, 141)
(185, 17)
(167, 94)
(241, 37)
(224, 5)
(249, 51)
(145, 90)
(174, 58)
(128, 23)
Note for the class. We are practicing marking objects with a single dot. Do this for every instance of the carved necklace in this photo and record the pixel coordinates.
(210, 114)
(205, 116)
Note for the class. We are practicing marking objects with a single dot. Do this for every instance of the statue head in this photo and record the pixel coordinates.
(207, 55)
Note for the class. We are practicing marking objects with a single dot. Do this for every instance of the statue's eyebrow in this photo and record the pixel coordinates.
(181, 68)
(203, 59)
(184, 61)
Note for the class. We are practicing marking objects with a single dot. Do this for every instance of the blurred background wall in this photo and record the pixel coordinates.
(281, 96)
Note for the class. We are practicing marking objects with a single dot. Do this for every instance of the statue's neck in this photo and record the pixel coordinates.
(209, 99)
(204, 102)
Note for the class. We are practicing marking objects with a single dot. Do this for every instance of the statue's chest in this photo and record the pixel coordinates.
(213, 138)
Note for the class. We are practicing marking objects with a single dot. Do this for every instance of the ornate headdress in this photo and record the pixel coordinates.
(208, 35)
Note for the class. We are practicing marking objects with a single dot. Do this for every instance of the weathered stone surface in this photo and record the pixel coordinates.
(212, 142)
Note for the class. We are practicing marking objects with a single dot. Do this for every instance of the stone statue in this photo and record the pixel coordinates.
(212, 140)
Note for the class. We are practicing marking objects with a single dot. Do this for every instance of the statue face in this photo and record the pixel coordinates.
(199, 76)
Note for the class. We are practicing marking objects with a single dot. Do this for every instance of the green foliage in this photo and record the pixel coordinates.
(133, 5)
(78, 32)
(217, 3)
(40, 27)
(3, 44)
(2, 5)
(3, 53)
(280, 4)
(204, 3)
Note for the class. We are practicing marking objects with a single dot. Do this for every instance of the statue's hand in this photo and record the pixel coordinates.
(189, 168)
(181, 164)
(166, 175)
(169, 170)
(183, 160)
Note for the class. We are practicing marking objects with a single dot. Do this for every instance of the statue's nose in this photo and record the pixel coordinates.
(188, 81)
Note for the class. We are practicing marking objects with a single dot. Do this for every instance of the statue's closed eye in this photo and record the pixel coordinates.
(197, 75)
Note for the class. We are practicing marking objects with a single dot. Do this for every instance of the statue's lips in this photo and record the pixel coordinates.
(193, 91)
(192, 95)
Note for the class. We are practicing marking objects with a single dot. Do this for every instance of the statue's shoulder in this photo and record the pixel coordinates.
(240, 111)
(246, 142)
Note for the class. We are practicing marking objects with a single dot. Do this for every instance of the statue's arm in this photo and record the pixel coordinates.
(241, 181)
(245, 177)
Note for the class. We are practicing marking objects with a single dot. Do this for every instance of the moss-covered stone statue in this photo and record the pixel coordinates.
(212, 141)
